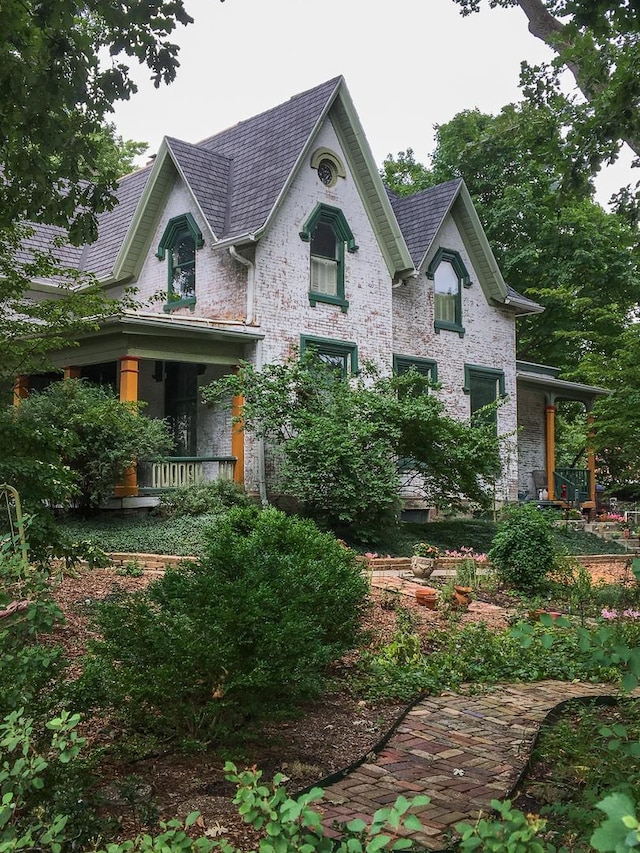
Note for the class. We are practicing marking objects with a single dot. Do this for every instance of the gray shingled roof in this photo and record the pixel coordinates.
(113, 225)
(207, 173)
(264, 149)
(420, 215)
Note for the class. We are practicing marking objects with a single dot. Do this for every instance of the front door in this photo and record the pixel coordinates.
(181, 406)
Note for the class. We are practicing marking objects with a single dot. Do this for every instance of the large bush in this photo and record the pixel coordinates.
(337, 441)
(72, 443)
(523, 549)
(248, 630)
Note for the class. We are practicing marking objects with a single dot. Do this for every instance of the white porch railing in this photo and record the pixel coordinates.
(175, 472)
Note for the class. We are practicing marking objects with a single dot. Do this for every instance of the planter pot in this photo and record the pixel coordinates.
(422, 567)
(536, 614)
(462, 597)
(427, 597)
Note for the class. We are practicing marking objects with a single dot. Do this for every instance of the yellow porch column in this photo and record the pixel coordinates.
(71, 372)
(20, 389)
(129, 370)
(237, 438)
(550, 447)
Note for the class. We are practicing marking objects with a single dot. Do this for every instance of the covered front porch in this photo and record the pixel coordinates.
(164, 362)
(539, 476)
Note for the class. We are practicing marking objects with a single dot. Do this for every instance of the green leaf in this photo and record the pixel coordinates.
(413, 823)
(356, 825)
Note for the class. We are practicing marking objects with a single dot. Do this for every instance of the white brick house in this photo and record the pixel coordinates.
(278, 234)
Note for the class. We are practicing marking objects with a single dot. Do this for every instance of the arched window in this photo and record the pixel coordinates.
(328, 232)
(180, 240)
(449, 276)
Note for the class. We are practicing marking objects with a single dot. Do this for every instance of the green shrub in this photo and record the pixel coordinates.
(248, 630)
(28, 669)
(203, 499)
(523, 548)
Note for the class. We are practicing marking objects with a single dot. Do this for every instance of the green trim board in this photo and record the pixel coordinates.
(342, 354)
(328, 232)
(448, 310)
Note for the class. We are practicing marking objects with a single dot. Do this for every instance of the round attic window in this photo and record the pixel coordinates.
(327, 172)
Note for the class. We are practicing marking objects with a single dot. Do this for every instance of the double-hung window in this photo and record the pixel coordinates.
(449, 276)
(341, 357)
(485, 386)
(328, 233)
(180, 241)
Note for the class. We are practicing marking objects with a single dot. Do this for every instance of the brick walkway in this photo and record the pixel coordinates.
(463, 751)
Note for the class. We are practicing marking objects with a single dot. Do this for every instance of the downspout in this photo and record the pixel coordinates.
(250, 316)
(251, 283)
(262, 476)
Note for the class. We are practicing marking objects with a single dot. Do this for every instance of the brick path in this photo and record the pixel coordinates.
(463, 751)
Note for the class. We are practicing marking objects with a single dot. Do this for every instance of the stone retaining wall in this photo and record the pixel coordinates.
(614, 568)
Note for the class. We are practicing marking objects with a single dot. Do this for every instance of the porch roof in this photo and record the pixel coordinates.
(545, 378)
(167, 338)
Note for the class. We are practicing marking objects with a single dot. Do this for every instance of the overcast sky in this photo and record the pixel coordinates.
(408, 64)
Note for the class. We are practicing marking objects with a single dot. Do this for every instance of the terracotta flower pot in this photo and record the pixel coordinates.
(422, 567)
(427, 597)
(462, 596)
(536, 614)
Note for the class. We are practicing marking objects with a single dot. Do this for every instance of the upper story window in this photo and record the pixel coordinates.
(328, 232)
(449, 276)
(485, 386)
(179, 243)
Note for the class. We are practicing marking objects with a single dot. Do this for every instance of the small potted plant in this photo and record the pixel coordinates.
(424, 559)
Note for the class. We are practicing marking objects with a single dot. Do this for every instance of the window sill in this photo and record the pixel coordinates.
(314, 298)
(440, 325)
(180, 303)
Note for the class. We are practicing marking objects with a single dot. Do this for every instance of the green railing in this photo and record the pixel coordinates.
(173, 472)
(576, 483)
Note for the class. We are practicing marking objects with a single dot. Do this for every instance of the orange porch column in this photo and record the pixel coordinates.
(20, 389)
(237, 436)
(129, 370)
(71, 372)
(550, 448)
(591, 461)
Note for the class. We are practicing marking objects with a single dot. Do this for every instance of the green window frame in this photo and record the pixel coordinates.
(328, 232)
(449, 276)
(179, 243)
(340, 356)
(484, 385)
(427, 367)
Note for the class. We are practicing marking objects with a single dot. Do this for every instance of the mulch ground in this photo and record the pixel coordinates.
(326, 737)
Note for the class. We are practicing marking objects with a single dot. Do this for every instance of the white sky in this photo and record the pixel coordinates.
(408, 64)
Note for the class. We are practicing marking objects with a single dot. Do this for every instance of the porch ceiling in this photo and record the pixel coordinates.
(172, 338)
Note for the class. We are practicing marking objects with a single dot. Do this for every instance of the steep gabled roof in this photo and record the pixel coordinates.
(421, 215)
(239, 177)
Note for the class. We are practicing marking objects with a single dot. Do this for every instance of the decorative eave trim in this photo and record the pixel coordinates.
(369, 184)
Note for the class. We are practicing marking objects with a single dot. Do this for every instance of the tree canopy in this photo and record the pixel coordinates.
(599, 43)
(62, 67)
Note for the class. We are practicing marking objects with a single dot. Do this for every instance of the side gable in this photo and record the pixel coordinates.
(421, 218)
(206, 176)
